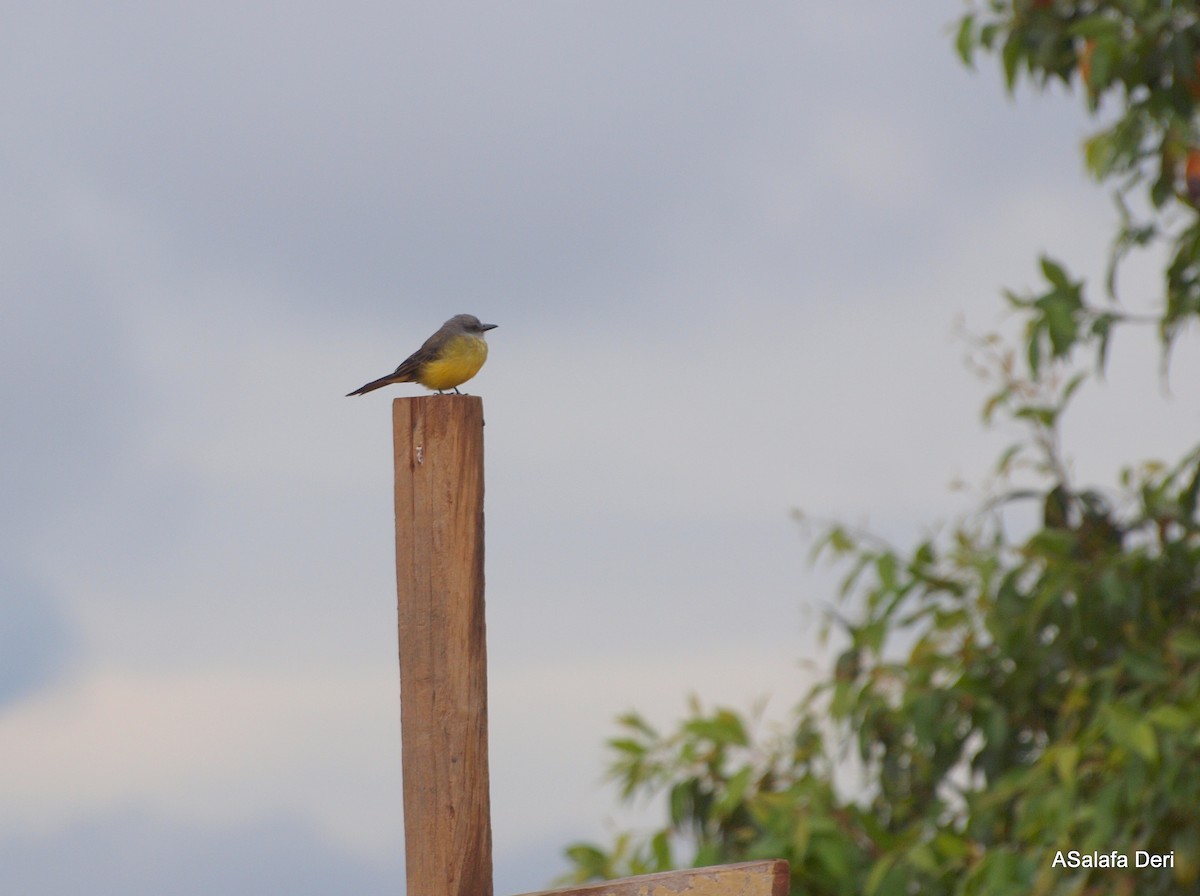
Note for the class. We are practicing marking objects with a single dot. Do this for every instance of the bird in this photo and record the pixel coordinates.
(446, 360)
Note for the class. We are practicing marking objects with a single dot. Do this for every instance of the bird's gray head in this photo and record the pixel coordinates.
(469, 323)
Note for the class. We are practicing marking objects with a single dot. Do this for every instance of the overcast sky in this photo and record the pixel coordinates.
(727, 247)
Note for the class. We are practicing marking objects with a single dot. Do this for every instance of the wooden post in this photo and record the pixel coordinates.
(769, 877)
(443, 659)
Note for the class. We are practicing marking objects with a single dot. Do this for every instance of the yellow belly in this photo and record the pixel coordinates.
(460, 360)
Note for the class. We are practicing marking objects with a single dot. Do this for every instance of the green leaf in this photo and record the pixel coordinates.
(1005, 463)
(637, 723)
(683, 802)
(1010, 57)
(1131, 731)
(1185, 644)
(723, 727)
(1060, 309)
(660, 846)
(1042, 416)
(835, 856)
(1185, 843)
(964, 41)
(735, 791)
(1171, 718)
(1097, 27)
(1144, 667)
(987, 35)
(1187, 499)
(879, 872)
(1102, 330)
(1072, 385)
(626, 745)
(590, 862)
(1055, 273)
(1100, 154)
(1066, 759)
(1034, 352)
(1105, 53)
(708, 854)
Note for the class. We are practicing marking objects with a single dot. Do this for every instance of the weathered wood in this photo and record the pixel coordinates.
(766, 878)
(443, 658)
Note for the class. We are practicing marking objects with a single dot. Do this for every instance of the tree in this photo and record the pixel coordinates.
(1007, 698)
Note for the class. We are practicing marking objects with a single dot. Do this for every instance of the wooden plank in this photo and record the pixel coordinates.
(443, 658)
(766, 878)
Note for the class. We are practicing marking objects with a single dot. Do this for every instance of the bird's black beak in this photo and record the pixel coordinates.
(488, 326)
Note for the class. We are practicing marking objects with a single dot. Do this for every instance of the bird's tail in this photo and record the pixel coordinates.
(378, 384)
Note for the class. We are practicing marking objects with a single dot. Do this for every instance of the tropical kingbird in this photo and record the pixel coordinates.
(449, 357)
